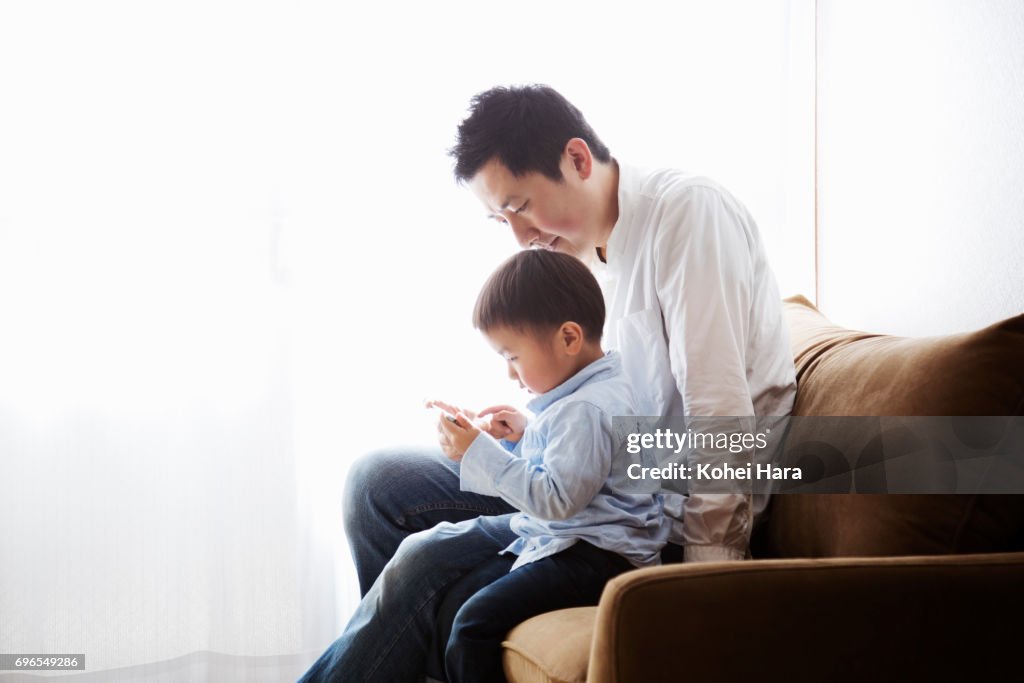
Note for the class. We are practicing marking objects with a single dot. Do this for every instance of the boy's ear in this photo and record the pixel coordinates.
(570, 335)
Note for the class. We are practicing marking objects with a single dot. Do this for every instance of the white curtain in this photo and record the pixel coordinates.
(232, 259)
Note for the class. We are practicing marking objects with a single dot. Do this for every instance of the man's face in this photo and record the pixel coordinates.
(541, 212)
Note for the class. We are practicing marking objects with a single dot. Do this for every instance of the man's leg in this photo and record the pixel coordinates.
(574, 577)
(390, 494)
(387, 638)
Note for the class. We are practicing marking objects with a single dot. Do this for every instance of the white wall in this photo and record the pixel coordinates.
(230, 242)
(920, 163)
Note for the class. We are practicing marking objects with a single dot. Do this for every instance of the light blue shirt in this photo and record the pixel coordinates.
(558, 474)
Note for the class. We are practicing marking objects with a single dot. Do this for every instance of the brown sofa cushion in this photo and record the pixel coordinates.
(845, 372)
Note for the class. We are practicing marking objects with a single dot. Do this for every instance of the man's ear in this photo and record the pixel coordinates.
(570, 335)
(581, 161)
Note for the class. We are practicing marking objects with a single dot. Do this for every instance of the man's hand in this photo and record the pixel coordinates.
(455, 437)
(506, 422)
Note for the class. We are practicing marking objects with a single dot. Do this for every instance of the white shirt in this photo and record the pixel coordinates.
(694, 310)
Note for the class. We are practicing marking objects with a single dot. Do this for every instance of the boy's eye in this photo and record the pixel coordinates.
(523, 207)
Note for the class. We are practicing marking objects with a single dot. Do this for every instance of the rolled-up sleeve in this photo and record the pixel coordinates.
(704, 275)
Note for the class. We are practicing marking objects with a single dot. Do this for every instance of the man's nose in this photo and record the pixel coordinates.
(523, 230)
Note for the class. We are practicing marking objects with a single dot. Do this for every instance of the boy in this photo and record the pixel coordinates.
(543, 312)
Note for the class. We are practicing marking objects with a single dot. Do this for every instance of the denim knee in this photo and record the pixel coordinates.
(438, 546)
(473, 650)
(420, 561)
(449, 550)
(366, 496)
(473, 614)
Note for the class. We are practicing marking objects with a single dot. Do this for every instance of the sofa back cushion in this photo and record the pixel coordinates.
(845, 372)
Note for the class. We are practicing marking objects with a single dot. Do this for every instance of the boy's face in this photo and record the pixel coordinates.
(537, 360)
(541, 212)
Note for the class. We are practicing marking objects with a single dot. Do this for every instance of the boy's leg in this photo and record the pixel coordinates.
(390, 494)
(574, 577)
(455, 597)
(388, 636)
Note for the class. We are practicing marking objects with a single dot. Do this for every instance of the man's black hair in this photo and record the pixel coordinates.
(525, 128)
(538, 290)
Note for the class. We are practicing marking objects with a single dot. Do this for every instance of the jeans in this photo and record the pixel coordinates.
(398, 509)
(574, 577)
(388, 637)
(392, 493)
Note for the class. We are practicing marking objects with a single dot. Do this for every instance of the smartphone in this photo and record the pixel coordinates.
(448, 416)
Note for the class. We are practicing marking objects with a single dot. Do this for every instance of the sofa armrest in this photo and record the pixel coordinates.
(949, 617)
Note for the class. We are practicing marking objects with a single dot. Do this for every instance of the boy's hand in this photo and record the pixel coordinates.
(455, 437)
(506, 422)
(448, 408)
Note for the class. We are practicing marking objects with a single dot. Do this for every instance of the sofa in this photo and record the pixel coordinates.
(841, 587)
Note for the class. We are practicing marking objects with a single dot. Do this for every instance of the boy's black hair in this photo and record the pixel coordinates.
(525, 128)
(538, 290)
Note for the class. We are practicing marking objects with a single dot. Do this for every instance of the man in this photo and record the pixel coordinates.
(693, 309)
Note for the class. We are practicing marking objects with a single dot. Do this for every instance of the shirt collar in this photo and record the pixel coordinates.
(630, 180)
(602, 368)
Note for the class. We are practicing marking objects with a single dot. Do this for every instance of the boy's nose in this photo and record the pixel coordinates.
(512, 374)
